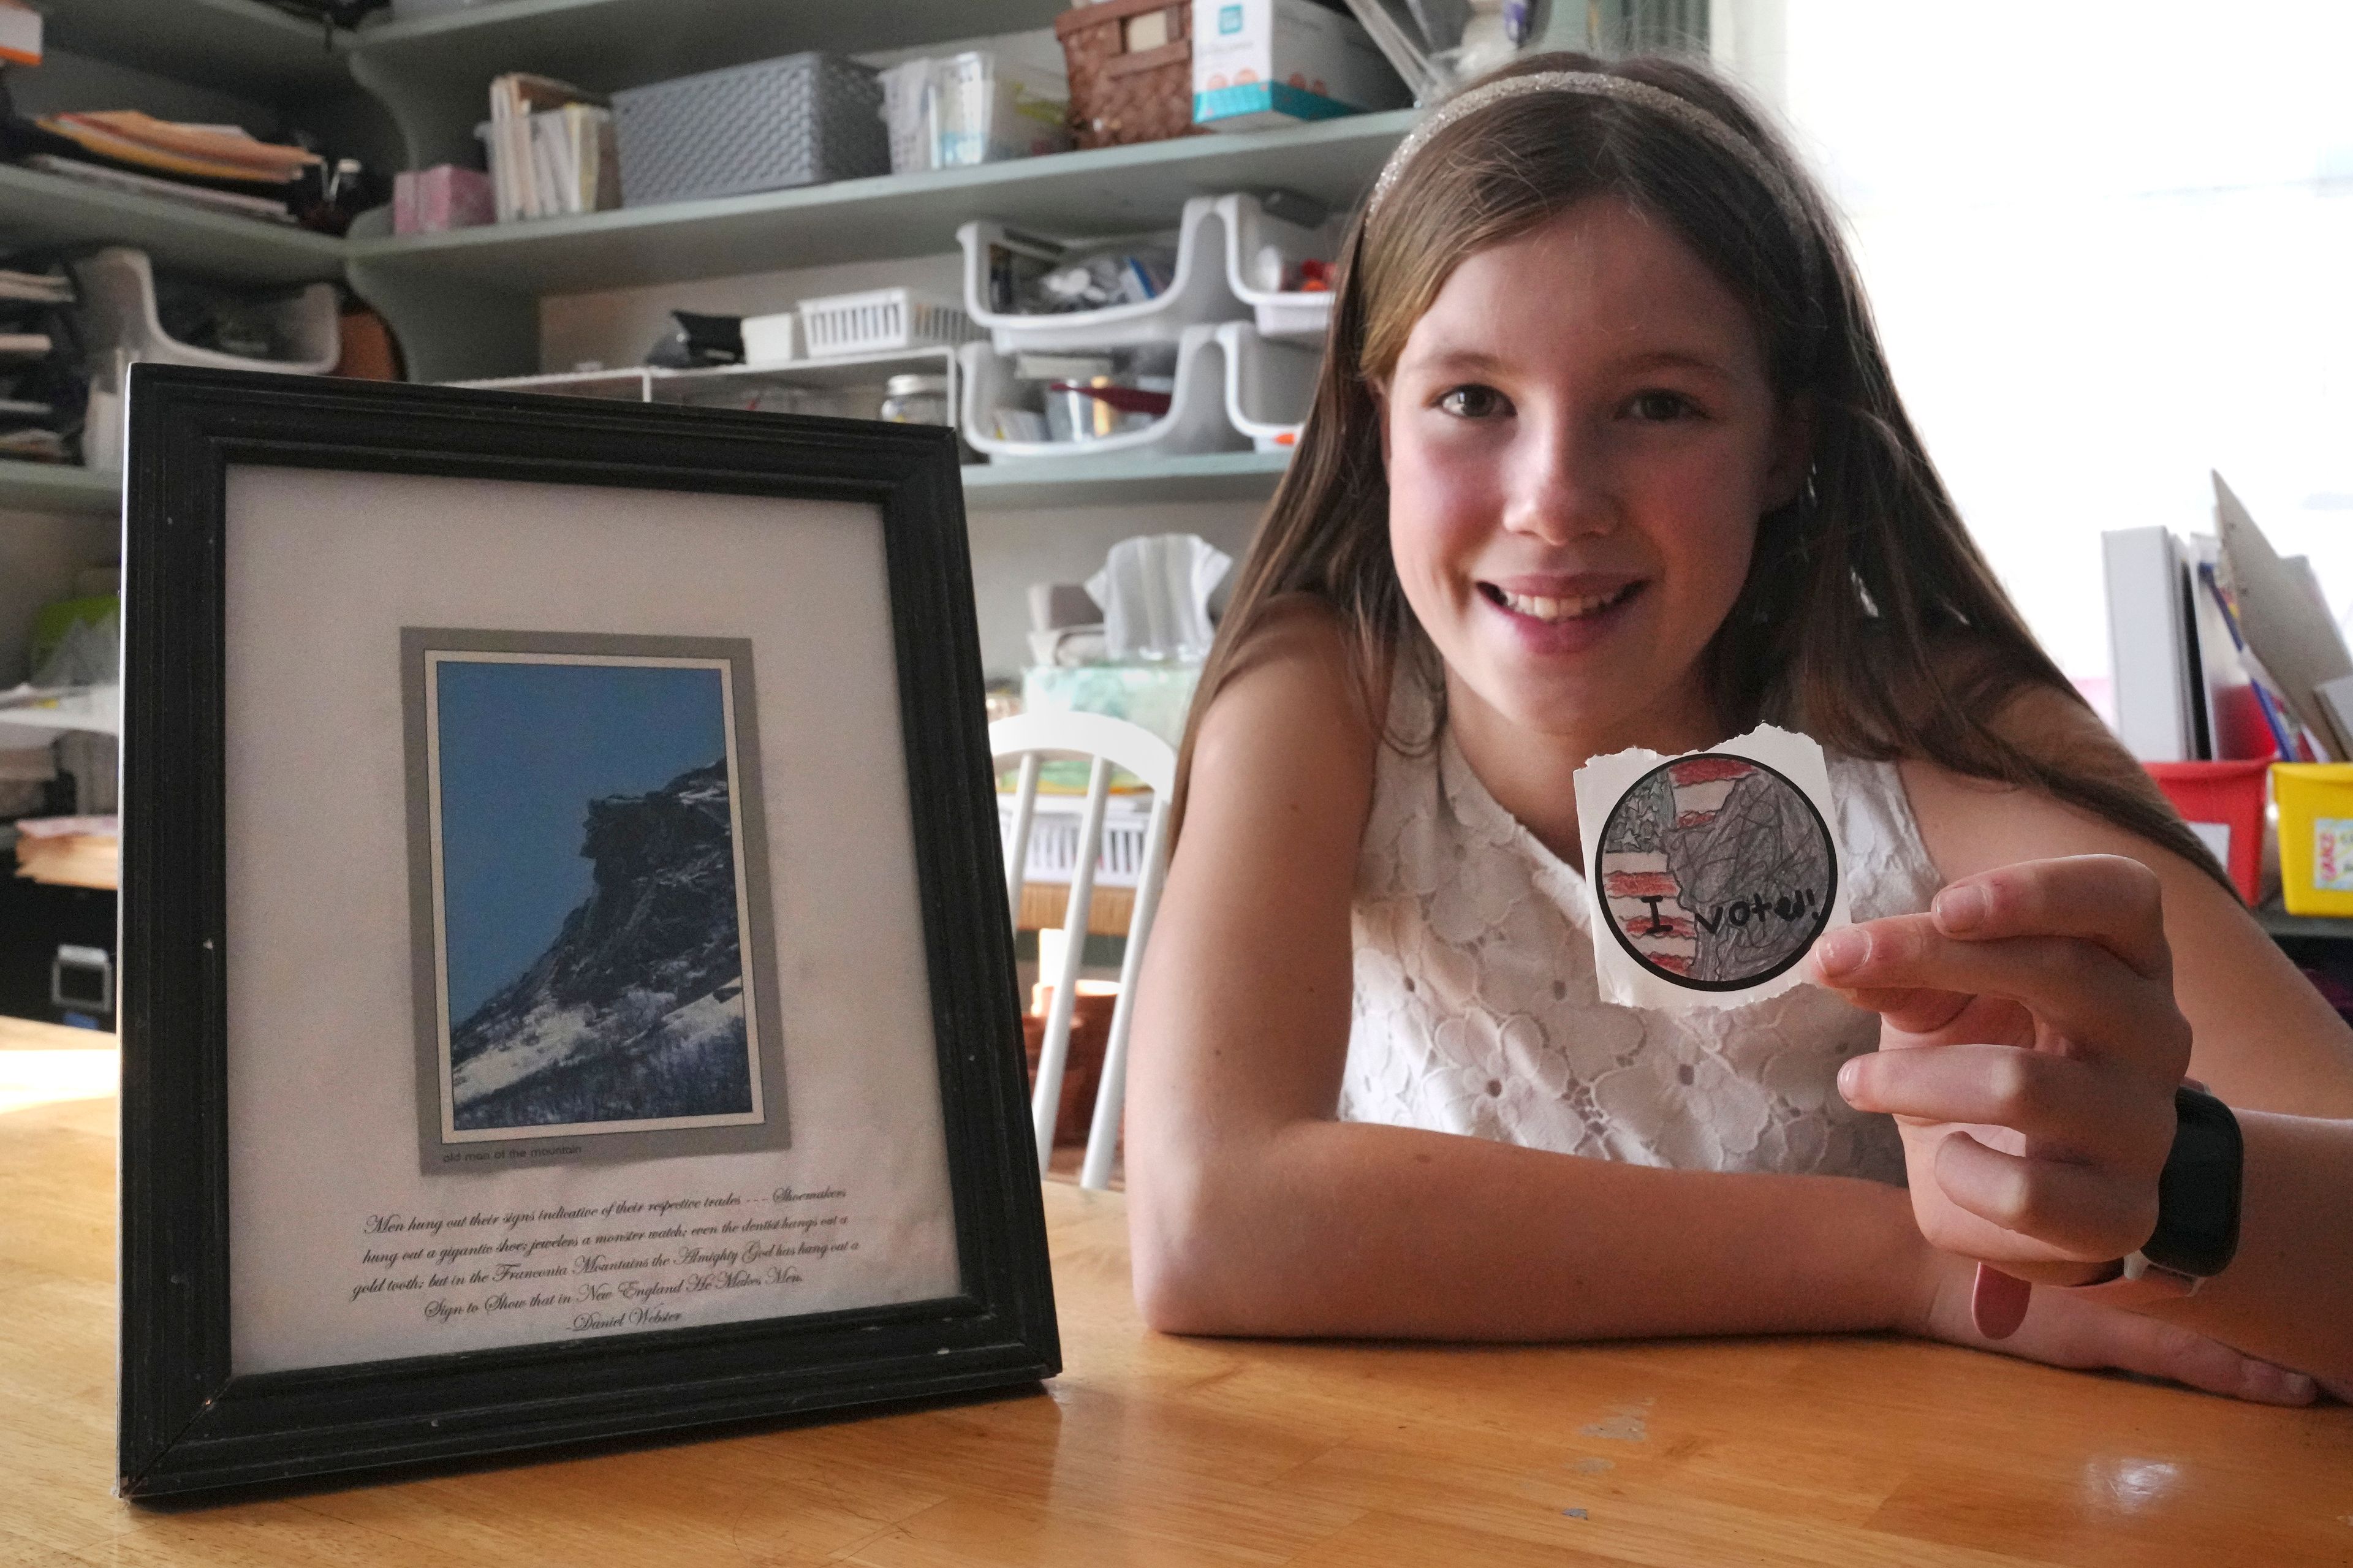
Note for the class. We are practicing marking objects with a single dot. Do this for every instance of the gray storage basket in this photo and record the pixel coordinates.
(799, 121)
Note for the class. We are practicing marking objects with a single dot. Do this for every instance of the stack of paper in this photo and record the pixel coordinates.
(551, 147)
(196, 151)
(2223, 649)
(70, 851)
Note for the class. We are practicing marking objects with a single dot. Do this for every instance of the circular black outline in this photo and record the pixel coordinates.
(1601, 897)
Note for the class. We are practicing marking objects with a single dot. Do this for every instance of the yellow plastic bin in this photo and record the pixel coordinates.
(2316, 837)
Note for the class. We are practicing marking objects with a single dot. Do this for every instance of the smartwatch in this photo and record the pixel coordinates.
(2196, 1208)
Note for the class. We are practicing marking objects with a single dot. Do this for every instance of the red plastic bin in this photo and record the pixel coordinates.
(2228, 796)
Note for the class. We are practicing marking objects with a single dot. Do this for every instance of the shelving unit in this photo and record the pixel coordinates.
(502, 268)
(466, 304)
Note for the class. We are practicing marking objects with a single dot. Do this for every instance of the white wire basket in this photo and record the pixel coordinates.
(881, 320)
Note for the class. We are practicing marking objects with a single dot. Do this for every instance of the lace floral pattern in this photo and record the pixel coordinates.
(1478, 1011)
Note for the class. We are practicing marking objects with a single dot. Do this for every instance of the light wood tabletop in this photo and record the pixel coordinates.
(1153, 1450)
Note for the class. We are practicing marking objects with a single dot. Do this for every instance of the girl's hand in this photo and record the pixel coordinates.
(2059, 1330)
(2035, 1130)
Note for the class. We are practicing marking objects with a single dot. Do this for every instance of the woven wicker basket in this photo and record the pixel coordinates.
(1118, 97)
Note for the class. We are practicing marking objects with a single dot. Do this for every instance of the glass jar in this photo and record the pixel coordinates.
(916, 400)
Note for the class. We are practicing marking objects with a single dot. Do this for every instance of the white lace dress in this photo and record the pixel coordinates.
(1477, 1009)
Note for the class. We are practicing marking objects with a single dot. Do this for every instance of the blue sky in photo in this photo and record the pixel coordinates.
(524, 749)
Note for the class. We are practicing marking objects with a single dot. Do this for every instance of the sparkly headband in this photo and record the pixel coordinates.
(1596, 85)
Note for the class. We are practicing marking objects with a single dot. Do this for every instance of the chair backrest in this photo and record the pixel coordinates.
(1108, 744)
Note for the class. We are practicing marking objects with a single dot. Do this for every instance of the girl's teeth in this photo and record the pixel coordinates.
(1539, 608)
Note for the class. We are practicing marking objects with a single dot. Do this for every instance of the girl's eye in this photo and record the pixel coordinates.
(1661, 406)
(1474, 403)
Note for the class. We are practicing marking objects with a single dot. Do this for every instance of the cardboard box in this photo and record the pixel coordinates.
(1263, 63)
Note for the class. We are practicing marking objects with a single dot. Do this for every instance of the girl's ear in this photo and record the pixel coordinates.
(1793, 451)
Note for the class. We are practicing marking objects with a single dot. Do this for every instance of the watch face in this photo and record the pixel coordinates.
(2197, 1194)
(1716, 872)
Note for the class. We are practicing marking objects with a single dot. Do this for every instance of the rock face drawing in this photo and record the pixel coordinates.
(635, 1012)
(1716, 872)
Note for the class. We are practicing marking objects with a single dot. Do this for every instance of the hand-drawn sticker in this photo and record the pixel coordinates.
(1712, 873)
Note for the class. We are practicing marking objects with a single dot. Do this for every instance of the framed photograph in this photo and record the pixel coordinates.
(567, 989)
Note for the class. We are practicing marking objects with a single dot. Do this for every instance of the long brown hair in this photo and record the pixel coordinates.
(1868, 620)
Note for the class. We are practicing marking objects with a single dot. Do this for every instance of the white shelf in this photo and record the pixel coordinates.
(236, 46)
(58, 486)
(1112, 481)
(40, 209)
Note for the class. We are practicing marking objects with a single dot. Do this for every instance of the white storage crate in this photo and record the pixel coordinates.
(1250, 229)
(880, 321)
(1054, 839)
(117, 301)
(1268, 384)
(1197, 291)
(1195, 420)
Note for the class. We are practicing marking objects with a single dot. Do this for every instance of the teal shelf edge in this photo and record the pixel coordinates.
(57, 488)
(1091, 481)
(1111, 190)
(39, 209)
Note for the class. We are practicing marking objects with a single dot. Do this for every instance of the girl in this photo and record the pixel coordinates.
(1605, 454)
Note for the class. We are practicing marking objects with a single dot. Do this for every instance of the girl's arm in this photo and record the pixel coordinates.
(1253, 1211)
(2260, 1038)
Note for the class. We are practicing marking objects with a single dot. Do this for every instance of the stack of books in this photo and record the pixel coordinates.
(550, 149)
(219, 166)
(2222, 648)
(40, 392)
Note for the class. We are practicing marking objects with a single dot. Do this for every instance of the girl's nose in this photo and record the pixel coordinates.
(1557, 486)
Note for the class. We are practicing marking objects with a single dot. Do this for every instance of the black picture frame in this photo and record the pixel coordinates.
(189, 1426)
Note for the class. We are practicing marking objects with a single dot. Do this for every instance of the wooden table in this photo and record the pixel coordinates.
(1152, 1450)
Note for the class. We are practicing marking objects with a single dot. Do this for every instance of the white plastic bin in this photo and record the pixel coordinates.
(117, 303)
(1195, 420)
(1197, 291)
(1268, 384)
(1278, 312)
(880, 321)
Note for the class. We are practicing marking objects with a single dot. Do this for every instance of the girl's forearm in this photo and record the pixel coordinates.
(2288, 1297)
(1350, 1229)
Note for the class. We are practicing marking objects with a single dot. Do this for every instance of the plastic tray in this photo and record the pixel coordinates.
(1277, 313)
(1270, 384)
(1197, 292)
(118, 294)
(1195, 420)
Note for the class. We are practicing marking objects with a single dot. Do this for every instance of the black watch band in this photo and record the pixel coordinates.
(2198, 1192)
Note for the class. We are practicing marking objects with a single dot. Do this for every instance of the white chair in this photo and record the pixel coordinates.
(1108, 744)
